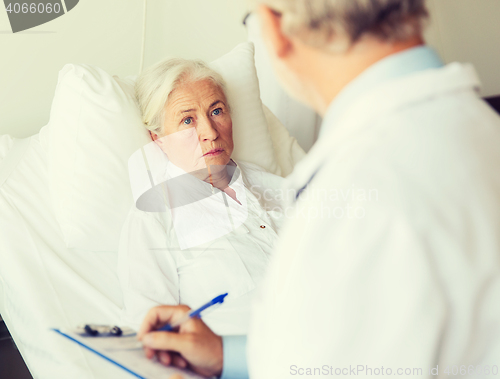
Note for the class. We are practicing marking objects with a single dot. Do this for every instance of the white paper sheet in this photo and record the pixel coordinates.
(127, 353)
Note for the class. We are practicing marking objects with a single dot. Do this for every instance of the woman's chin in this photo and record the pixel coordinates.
(222, 160)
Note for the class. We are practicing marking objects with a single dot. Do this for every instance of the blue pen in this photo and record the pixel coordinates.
(192, 314)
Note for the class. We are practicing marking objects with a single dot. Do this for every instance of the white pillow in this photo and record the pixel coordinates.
(252, 140)
(95, 126)
(287, 149)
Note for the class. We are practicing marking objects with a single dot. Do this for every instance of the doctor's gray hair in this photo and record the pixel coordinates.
(318, 22)
(154, 86)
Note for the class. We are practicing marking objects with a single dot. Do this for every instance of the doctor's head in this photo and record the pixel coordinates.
(318, 46)
(184, 106)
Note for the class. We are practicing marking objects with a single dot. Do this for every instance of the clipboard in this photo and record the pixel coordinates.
(126, 353)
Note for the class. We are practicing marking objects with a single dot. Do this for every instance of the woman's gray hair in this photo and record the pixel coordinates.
(154, 86)
(317, 22)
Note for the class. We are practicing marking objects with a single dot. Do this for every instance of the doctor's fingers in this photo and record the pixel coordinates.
(174, 359)
(164, 357)
(179, 342)
(202, 349)
(160, 316)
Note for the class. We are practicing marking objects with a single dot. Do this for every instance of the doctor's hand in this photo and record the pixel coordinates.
(195, 346)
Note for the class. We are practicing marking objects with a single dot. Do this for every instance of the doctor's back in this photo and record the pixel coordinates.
(389, 263)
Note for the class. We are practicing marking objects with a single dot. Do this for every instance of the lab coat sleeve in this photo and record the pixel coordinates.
(146, 269)
(235, 358)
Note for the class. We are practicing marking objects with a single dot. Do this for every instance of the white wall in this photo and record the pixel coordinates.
(104, 33)
(107, 34)
(203, 29)
(469, 31)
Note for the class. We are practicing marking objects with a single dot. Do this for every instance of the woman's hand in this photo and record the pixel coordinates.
(194, 346)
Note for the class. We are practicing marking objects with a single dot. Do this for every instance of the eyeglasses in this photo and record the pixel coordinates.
(250, 13)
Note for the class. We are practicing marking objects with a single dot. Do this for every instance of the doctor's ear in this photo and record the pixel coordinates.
(271, 31)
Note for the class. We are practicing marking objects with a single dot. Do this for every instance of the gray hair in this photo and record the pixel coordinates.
(316, 22)
(154, 86)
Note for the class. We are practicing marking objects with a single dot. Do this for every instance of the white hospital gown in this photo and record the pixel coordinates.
(197, 251)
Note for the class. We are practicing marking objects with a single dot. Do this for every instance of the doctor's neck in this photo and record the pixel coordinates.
(324, 74)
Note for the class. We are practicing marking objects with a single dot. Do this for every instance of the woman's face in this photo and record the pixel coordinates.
(198, 131)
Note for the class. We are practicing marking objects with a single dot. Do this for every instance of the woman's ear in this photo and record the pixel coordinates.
(156, 138)
(270, 21)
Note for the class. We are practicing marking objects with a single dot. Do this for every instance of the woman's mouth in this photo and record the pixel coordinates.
(214, 152)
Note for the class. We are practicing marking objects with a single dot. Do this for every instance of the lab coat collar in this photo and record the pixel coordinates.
(149, 167)
(181, 188)
(173, 171)
(395, 66)
(384, 99)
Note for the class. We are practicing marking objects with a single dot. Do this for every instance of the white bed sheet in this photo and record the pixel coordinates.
(42, 283)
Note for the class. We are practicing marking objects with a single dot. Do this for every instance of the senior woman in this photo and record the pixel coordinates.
(211, 234)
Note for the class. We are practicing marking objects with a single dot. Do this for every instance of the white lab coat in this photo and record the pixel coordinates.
(391, 256)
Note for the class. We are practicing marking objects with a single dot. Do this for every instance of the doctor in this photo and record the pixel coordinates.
(390, 262)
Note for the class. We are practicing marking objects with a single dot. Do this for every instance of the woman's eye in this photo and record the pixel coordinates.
(217, 112)
(188, 121)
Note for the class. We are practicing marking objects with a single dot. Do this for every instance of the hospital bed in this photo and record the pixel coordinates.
(64, 193)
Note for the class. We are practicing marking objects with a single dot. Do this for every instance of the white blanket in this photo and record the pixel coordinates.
(42, 283)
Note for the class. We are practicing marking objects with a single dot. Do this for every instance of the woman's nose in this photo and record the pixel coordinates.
(207, 130)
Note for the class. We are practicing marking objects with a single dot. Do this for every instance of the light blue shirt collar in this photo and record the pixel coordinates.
(392, 67)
